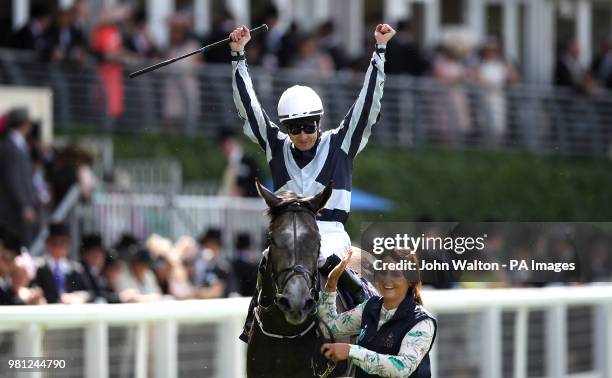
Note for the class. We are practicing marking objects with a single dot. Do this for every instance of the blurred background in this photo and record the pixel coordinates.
(494, 110)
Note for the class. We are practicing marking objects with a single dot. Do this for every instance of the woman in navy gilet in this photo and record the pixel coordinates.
(395, 332)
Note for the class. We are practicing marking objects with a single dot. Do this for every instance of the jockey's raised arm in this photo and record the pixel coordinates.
(355, 129)
(257, 124)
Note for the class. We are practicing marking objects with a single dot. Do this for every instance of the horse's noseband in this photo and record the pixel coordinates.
(291, 272)
(297, 270)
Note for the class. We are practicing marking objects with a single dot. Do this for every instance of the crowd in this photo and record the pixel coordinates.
(473, 106)
(118, 35)
(35, 177)
(131, 271)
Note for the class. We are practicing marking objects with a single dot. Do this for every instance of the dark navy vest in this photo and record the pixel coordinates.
(388, 339)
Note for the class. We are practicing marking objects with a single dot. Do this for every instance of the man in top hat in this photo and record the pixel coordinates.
(212, 271)
(17, 193)
(93, 258)
(61, 279)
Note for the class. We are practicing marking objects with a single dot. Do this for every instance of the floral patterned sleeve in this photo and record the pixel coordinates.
(341, 325)
(415, 346)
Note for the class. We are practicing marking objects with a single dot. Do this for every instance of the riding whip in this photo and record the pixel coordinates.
(262, 28)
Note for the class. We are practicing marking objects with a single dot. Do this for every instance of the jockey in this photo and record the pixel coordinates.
(304, 159)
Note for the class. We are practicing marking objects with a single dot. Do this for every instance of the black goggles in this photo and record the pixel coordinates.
(309, 127)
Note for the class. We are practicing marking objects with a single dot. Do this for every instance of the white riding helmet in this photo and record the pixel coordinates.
(299, 102)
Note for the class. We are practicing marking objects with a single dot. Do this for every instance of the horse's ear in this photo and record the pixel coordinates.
(271, 199)
(318, 201)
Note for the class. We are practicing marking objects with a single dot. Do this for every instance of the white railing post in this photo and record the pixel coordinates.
(166, 349)
(520, 342)
(28, 343)
(556, 341)
(432, 22)
(231, 353)
(491, 366)
(96, 350)
(511, 31)
(603, 339)
(21, 13)
(142, 351)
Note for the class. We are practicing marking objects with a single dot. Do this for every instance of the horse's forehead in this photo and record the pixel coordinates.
(300, 224)
(301, 231)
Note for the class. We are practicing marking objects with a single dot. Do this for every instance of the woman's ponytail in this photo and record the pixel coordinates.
(416, 289)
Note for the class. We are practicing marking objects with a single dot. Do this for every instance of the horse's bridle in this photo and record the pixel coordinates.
(321, 368)
(297, 270)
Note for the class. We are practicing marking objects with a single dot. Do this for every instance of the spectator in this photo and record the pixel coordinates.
(403, 53)
(602, 66)
(312, 59)
(241, 170)
(569, 72)
(16, 282)
(330, 43)
(220, 30)
(72, 165)
(272, 40)
(124, 244)
(244, 266)
(493, 74)
(32, 35)
(81, 20)
(163, 273)
(9, 249)
(212, 272)
(289, 45)
(137, 282)
(453, 120)
(93, 258)
(63, 41)
(136, 38)
(109, 279)
(181, 104)
(41, 187)
(108, 47)
(61, 279)
(17, 194)
(171, 274)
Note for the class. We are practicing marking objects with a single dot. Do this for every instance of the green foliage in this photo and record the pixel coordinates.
(441, 185)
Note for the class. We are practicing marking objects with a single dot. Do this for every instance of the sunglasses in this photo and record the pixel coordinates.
(307, 127)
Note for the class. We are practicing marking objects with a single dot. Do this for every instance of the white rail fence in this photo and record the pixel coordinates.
(173, 216)
(156, 349)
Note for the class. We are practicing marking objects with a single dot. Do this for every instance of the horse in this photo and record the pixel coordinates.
(286, 335)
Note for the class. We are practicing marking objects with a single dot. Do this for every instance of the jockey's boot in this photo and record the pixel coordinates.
(351, 283)
(248, 323)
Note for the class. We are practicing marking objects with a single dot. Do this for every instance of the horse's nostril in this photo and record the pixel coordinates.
(283, 302)
(309, 305)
